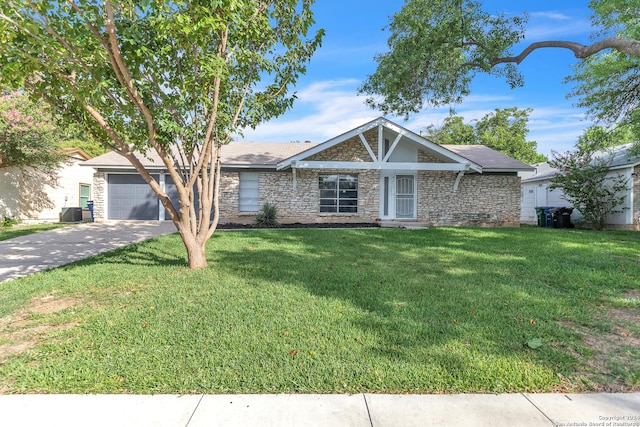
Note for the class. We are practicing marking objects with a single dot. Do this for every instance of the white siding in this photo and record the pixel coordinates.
(538, 193)
(39, 196)
(9, 193)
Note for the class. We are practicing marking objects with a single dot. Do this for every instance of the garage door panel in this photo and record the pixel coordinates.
(130, 197)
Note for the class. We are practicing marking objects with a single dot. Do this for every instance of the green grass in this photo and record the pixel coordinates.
(23, 230)
(325, 311)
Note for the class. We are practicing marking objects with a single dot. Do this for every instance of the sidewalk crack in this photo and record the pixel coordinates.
(366, 405)
(194, 410)
(539, 410)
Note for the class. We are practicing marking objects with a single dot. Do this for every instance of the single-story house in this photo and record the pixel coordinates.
(378, 172)
(537, 192)
(34, 195)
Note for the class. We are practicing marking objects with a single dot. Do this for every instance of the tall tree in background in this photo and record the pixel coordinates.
(28, 136)
(452, 131)
(596, 138)
(437, 47)
(504, 130)
(176, 77)
(608, 84)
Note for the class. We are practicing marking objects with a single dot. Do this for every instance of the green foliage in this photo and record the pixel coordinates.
(437, 47)
(267, 217)
(449, 314)
(452, 131)
(588, 185)
(504, 130)
(431, 47)
(596, 138)
(176, 77)
(27, 134)
(8, 221)
(534, 343)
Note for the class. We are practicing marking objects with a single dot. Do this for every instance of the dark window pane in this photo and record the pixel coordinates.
(348, 194)
(348, 209)
(327, 194)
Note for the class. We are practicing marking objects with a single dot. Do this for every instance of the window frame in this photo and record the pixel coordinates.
(248, 208)
(80, 186)
(340, 203)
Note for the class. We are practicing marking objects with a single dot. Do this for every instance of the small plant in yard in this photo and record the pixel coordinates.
(8, 221)
(267, 217)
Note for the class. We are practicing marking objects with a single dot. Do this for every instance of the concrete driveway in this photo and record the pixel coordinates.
(26, 255)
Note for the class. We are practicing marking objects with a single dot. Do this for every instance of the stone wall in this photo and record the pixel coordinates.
(351, 150)
(482, 200)
(301, 204)
(99, 193)
(485, 200)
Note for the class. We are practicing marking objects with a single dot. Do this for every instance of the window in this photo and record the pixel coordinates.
(85, 195)
(338, 193)
(249, 192)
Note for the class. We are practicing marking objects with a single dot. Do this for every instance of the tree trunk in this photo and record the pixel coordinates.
(196, 252)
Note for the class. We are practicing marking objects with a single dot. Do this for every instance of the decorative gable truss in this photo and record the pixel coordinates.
(380, 145)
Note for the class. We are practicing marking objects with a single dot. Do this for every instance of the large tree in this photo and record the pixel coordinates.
(437, 47)
(176, 77)
(504, 130)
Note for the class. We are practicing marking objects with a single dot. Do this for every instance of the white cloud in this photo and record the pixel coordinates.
(326, 109)
(558, 16)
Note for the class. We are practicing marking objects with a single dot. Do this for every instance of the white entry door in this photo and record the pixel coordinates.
(397, 196)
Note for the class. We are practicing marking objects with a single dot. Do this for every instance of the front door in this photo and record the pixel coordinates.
(397, 196)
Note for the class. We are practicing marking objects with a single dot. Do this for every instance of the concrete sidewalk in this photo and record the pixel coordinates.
(360, 410)
(29, 254)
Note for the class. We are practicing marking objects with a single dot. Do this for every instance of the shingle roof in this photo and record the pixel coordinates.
(233, 154)
(269, 154)
(261, 153)
(488, 158)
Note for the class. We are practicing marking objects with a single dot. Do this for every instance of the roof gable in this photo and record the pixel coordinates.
(378, 158)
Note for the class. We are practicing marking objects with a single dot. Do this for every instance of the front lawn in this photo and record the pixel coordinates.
(334, 311)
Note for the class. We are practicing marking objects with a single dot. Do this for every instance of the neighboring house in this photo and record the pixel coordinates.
(32, 195)
(378, 172)
(537, 192)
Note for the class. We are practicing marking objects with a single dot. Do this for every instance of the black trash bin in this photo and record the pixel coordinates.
(564, 217)
(555, 217)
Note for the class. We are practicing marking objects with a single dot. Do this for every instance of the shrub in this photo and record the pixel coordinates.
(8, 221)
(267, 216)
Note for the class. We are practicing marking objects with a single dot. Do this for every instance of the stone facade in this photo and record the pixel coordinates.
(484, 200)
(99, 193)
(480, 200)
(351, 150)
(299, 202)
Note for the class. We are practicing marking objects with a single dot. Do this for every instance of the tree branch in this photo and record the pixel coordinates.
(629, 47)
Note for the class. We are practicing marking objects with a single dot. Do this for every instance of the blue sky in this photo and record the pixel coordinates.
(328, 104)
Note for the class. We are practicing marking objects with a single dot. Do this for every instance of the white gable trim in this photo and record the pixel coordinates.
(460, 163)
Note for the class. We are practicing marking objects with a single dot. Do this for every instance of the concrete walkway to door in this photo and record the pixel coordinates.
(29, 254)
